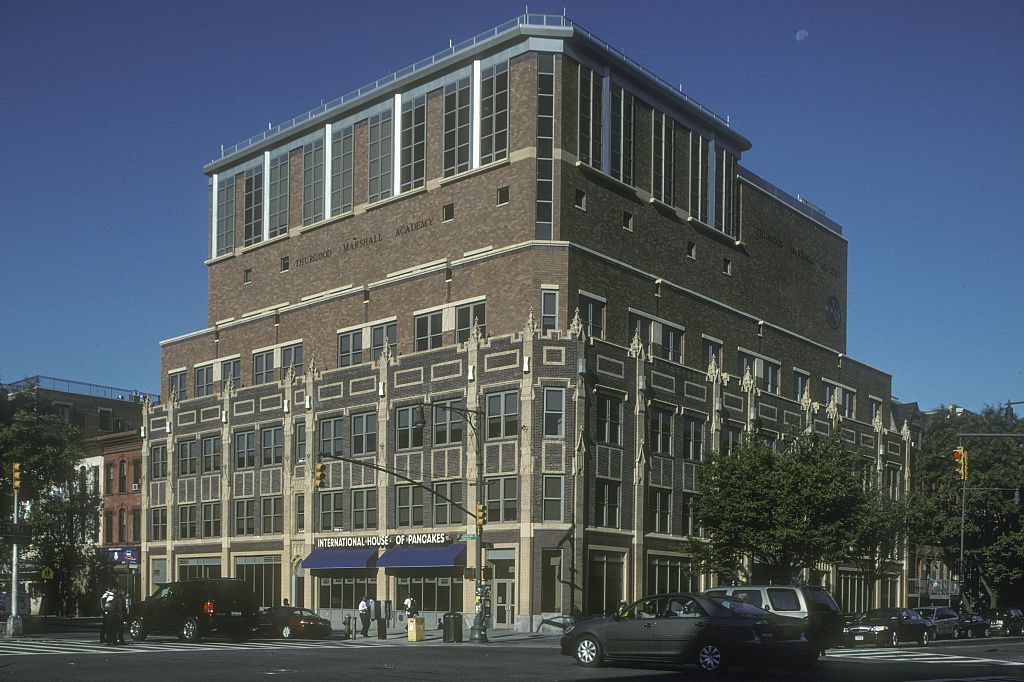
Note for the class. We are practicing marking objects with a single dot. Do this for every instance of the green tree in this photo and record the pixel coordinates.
(785, 511)
(993, 560)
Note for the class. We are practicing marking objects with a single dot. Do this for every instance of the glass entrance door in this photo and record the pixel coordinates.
(503, 606)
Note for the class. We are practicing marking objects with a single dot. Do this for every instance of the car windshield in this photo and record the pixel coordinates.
(739, 607)
(820, 600)
(881, 614)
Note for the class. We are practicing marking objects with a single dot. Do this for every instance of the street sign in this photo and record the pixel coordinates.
(467, 536)
(11, 528)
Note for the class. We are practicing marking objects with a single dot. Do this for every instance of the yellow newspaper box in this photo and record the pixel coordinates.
(417, 633)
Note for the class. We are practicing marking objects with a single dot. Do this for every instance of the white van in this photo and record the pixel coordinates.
(812, 603)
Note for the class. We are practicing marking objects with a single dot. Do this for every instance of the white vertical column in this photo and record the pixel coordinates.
(213, 216)
(475, 107)
(266, 196)
(396, 145)
(327, 171)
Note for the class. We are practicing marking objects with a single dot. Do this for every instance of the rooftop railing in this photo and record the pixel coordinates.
(81, 388)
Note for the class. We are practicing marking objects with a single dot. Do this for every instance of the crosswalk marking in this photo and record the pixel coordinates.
(911, 656)
(30, 647)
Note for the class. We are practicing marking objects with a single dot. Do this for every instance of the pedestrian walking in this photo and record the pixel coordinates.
(364, 616)
(118, 613)
(106, 604)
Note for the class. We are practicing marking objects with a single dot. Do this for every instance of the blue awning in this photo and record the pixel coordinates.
(339, 558)
(423, 557)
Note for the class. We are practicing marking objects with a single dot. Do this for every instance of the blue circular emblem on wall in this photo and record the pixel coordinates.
(833, 312)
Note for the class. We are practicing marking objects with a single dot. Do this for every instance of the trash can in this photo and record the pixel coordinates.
(452, 625)
(417, 632)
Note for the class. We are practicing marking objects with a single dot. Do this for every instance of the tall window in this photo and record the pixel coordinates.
(342, 173)
(278, 195)
(693, 440)
(609, 419)
(409, 506)
(502, 415)
(414, 143)
(158, 524)
(622, 135)
(379, 160)
(211, 454)
(177, 383)
(108, 527)
(291, 356)
(457, 130)
(225, 216)
(300, 513)
(502, 499)
(710, 349)
(799, 385)
(661, 339)
(589, 102)
(661, 430)
(252, 222)
(272, 449)
(447, 422)
(554, 412)
(331, 505)
(660, 509)
(468, 315)
(592, 316)
(204, 380)
(381, 335)
(607, 503)
(731, 438)
(187, 522)
(245, 450)
(299, 442)
(364, 509)
(122, 525)
(494, 113)
(409, 436)
(122, 476)
(350, 348)
(548, 310)
(364, 433)
(211, 519)
(551, 511)
(544, 228)
(158, 462)
(187, 458)
(725, 169)
(663, 142)
(245, 517)
(699, 170)
(331, 442)
(445, 512)
(263, 367)
(273, 515)
(313, 182)
(428, 331)
(231, 373)
(551, 580)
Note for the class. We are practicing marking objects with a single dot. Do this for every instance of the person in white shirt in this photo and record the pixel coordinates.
(364, 616)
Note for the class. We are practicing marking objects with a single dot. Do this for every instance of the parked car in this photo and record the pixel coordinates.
(712, 632)
(889, 627)
(942, 617)
(812, 603)
(192, 609)
(1007, 622)
(293, 621)
(972, 625)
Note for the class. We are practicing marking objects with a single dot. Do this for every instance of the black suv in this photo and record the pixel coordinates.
(191, 609)
(1007, 622)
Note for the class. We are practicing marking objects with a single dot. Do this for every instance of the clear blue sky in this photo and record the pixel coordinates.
(903, 120)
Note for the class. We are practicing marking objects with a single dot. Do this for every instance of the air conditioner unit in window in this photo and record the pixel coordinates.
(135, 486)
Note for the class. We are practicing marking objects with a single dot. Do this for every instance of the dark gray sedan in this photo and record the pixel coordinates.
(712, 632)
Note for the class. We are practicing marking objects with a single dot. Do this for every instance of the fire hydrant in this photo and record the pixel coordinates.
(348, 627)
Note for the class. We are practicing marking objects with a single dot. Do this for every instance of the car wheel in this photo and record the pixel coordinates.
(925, 638)
(136, 630)
(286, 632)
(190, 631)
(987, 633)
(1006, 631)
(894, 640)
(709, 658)
(971, 633)
(956, 633)
(588, 652)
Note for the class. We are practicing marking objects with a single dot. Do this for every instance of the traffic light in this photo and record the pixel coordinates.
(960, 462)
(16, 476)
(481, 513)
(319, 475)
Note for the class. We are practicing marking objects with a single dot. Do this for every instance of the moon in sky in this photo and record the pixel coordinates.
(801, 35)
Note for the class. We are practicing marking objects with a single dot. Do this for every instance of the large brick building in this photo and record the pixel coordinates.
(535, 230)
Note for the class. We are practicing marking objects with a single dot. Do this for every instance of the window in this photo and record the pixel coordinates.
(710, 349)
(187, 526)
(661, 430)
(544, 226)
(691, 250)
(447, 213)
(551, 511)
(876, 407)
(548, 310)
(609, 419)
(414, 143)
(447, 422)
(581, 200)
(106, 419)
(204, 380)
(187, 458)
(554, 412)
(590, 99)
(211, 519)
(342, 170)
(330, 436)
(409, 506)
(211, 454)
(502, 499)
(300, 513)
(252, 221)
(726, 266)
(313, 182)
(622, 135)
(263, 367)
(272, 449)
(108, 527)
(445, 512)
(663, 142)
(660, 510)
(846, 401)
(273, 515)
(379, 166)
(122, 525)
(350, 348)
(110, 479)
(409, 436)
(278, 195)
(158, 462)
(225, 216)
(331, 505)
(428, 331)
(592, 316)
(364, 433)
(380, 335)
(660, 339)
(231, 373)
(502, 415)
(122, 476)
(136, 474)
(692, 439)
(725, 169)
(764, 372)
(494, 113)
(177, 383)
(300, 442)
(456, 127)
(291, 356)
(607, 503)
(731, 438)
(799, 385)
(158, 524)
(699, 151)
(627, 221)
(245, 517)
(502, 196)
(247, 276)
(364, 509)
(468, 315)
(551, 580)
(245, 450)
